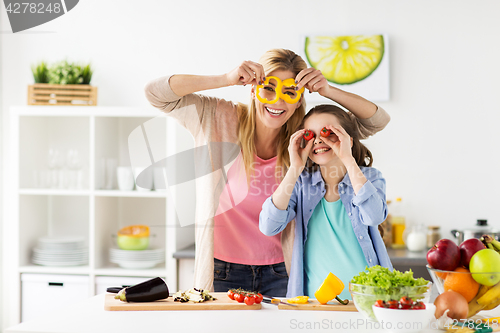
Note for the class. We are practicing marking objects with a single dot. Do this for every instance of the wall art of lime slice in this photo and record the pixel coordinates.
(345, 59)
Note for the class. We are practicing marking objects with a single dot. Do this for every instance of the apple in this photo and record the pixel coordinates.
(444, 255)
(468, 248)
(483, 262)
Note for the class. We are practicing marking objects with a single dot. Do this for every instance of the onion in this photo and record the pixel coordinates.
(453, 301)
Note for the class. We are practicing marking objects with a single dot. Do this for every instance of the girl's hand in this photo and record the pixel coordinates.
(298, 155)
(248, 72)
(313, 80)
(340, 142)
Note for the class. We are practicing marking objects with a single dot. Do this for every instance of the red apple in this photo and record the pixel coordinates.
(444, 255)
(468, 248)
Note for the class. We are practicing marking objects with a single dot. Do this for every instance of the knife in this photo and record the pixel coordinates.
(275, 301)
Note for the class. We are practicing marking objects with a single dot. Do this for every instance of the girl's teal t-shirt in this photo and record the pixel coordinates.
(331, 246)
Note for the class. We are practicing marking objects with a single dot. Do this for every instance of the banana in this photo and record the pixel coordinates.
(474, 306)
(492, 305)
(490, 242)
(491, 295)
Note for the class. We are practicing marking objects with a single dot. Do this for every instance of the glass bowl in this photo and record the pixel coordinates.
(489, 279)
(365, 296)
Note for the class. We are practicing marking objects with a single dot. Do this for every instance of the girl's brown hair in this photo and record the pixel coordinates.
(361, 154)
(276, 59)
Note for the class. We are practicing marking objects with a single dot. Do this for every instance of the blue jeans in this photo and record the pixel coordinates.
(269, 280)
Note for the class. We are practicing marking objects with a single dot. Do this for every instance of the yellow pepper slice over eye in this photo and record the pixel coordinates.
(299, 300)
(330, 289)
(272, 89)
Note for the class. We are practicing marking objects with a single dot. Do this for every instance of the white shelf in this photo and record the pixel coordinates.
(36, 191)
(99, 134)
(74, 270)
(130, 194)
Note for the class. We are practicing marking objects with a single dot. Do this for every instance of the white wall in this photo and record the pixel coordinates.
(438, 152)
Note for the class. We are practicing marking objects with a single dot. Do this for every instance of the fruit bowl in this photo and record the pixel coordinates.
(405, 320)
(365, 296)
(133, 237)
(466, 283)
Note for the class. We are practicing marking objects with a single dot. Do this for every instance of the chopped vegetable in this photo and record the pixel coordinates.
(299, 300)
(193, 295)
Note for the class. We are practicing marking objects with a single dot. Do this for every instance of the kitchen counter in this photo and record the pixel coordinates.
(90, 316)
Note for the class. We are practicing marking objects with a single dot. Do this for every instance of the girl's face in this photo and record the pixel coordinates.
(275, 115)
(321, 153)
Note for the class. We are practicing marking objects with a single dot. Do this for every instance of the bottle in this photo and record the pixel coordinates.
(433, 235)
(398, 222)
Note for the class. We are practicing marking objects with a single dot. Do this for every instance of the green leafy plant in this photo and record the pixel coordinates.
(62, 72)
(40, 72)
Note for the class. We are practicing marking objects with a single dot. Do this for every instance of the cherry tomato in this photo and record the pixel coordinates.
(418, 306)
(239, 297)
(380, 303)
(308, 135)
(258, 298)
(230, 294)
(405, 302)
(249, 300)
(393, 304)
(325, 132)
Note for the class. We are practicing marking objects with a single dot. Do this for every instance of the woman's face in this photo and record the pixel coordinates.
(275, 115)
(321, 153)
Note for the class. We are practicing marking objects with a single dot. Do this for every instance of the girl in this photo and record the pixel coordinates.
(337, 202)
(231, 252)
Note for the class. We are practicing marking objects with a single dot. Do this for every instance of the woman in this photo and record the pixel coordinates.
(231, 252)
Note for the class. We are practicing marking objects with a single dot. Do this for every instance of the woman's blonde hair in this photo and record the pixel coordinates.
(272, 60)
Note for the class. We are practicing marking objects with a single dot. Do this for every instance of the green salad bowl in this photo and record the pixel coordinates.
(365, 296)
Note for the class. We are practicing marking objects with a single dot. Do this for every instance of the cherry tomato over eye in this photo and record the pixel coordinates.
(325, 132)
(230, 294)
(239, 297)
(308, 135)
(249, 300)
(258, 298)
(380, 303)
(418, 306)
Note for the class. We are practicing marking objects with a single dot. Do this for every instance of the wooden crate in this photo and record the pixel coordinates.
(59, 94)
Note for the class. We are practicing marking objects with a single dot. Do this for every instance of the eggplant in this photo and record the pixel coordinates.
(147, 291)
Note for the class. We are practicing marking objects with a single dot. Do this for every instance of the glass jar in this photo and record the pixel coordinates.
(433, 235)
(416, 239)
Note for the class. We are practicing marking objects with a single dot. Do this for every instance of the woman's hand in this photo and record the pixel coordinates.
(340, 142)
(313, 80)
(298, 155)
(248, 72)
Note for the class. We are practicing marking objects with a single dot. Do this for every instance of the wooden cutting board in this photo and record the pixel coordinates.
(314, 305)
(221, 303)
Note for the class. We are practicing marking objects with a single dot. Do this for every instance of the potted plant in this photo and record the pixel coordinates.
(62, 83)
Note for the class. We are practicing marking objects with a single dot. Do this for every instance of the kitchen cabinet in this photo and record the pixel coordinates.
(46, 199)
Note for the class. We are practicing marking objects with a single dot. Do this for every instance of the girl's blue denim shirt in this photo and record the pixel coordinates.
(366, 210)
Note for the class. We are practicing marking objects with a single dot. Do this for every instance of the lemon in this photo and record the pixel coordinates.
(345, 59)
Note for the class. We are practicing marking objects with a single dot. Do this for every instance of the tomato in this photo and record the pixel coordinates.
(325, 131)
(249, 300)
(230, 294)
(239, 297)
(308, 135)
(380, 303)
(258, 298)
(392, 304)
(405, 302)
(418, 306)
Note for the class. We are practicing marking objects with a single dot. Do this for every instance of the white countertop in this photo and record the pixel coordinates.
(90, 316)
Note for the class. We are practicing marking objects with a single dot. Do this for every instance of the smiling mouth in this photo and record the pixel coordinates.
(274, 112)
(321, 150)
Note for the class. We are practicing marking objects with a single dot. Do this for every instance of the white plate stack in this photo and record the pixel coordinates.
(137, 259)
(61, 251)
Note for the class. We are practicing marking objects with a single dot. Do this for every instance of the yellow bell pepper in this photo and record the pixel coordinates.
(299, 300)
(330, 289)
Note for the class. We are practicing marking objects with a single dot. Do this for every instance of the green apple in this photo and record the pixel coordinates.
(485, 267)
